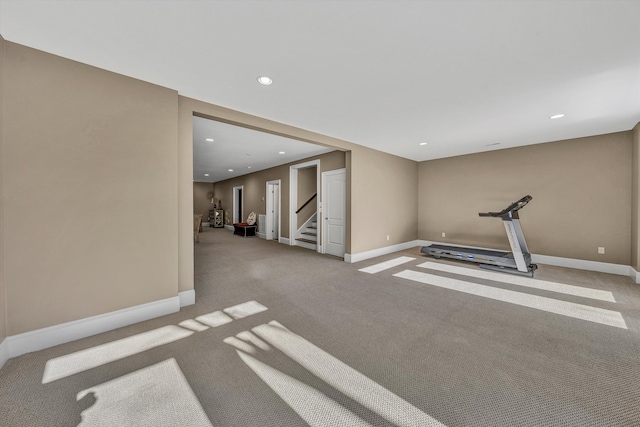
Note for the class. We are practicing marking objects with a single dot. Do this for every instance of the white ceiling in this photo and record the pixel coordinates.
(459, 75)
(241, 150)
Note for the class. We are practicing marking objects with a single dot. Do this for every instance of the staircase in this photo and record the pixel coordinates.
(307, 236)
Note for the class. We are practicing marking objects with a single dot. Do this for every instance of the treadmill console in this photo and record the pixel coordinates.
(509, 210)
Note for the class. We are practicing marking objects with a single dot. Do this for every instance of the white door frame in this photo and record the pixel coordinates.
(325, 197)
(293, 197)
(234, 214)
(269, 209)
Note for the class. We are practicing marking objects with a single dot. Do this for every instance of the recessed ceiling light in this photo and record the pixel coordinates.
(248, 167)
(206, 174)
(230, 170)
(209, 139)
(557, 116)
(281, 152)
(264, 80)
(423, 143)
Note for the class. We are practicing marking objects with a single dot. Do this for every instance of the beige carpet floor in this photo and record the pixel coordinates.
(282, 336)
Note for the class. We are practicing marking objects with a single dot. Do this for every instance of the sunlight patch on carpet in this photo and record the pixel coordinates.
(376, 268)
(523, 281)
(564, 308)
(83, 360)
(156, 396)
(245, 309)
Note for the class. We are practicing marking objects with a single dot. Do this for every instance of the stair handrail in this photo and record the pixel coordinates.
(306, 203)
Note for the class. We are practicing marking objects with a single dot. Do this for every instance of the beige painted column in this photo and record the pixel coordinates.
(3, 288)
(635, 199)
(185, 195)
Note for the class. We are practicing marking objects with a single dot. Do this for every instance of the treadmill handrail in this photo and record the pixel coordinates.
(513, 207)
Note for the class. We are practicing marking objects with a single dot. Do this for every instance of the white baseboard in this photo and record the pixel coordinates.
(284, 240)
(206, 224)
(229, 227)
(71, 331)
(187, 298)
(602, 267)
(4, 352)
(361, 256)
(261, 235)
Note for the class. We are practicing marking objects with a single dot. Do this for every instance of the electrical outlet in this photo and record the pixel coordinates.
(444, 234)
(387, 237)
(600, 250)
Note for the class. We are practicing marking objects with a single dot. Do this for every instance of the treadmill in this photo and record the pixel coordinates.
(518, 261)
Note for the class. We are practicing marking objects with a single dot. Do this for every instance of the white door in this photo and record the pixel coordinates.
(273, 211)
(334, 184)
(275, 226)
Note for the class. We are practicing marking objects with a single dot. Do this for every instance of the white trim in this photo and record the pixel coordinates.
(4, 352)
(580, 264)
(283, 240)
(229, 227)
(361, 256)
(318, 195)
(71, 331)
(187, 298)
(268, 215)
(205, 224)
(293, 199)
(635, 276)
(261, 235)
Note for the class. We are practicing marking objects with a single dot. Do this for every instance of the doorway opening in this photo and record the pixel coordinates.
(237, 204)
(301, 229)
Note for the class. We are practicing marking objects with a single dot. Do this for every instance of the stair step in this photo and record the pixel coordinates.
(301, 239)
(310, 233)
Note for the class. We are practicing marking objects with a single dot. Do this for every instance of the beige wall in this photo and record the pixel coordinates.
(635, 198)
(3, 300)
(385, 192)
(581, 191)
(87, 155)
(201, 203)
(254, 187)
